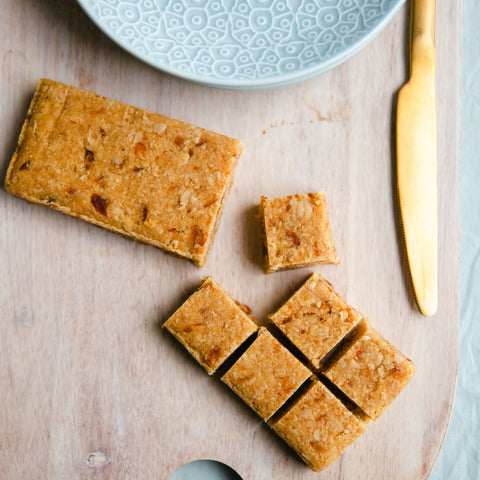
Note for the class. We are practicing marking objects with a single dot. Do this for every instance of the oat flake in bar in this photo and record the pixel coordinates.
(144, 175)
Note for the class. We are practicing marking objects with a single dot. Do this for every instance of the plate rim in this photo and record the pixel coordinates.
(256, 84)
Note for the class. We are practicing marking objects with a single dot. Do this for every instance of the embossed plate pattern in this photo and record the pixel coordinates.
(242, 43)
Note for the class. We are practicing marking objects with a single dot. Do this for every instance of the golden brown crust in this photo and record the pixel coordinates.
(210, 325)
(297, 231)
(144, 175)
(372, 372)
(315, 318)
(319, 427)
(266, 375)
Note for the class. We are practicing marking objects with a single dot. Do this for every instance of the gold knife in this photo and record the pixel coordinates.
(417, 158)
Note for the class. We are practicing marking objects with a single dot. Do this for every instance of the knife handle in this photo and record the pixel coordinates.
(422, 32)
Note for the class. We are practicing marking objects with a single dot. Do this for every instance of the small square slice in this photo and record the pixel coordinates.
(147, 176)
(315, 319)
(210, 325)
(297, 231)
(372, 372)
(319, 427)
(266, 375)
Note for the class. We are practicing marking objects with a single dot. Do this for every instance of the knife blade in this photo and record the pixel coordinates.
(417, 158)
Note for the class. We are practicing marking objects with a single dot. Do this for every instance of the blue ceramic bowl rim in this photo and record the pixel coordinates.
(268, 82)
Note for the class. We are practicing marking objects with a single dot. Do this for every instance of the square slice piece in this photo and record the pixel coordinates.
(315, 318)
(319, 427)
(210, 325)
(144, 175)
(371, 372)
(266, 375)
(297, 231)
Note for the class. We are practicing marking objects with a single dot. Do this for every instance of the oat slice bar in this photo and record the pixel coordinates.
(319, 427)
(297, 231)
(266, 375)
(210, 325)
(315, 318)
(372, 372)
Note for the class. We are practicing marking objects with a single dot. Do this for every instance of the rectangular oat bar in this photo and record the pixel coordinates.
(144, 175)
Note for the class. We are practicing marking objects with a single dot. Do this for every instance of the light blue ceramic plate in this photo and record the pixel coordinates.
(242, 44)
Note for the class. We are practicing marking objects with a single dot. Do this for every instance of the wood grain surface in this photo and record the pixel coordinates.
(91, 388)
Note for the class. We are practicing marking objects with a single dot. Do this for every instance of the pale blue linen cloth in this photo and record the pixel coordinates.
(460, 455)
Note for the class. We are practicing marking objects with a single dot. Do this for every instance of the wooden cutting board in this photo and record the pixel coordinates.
(84, 366)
